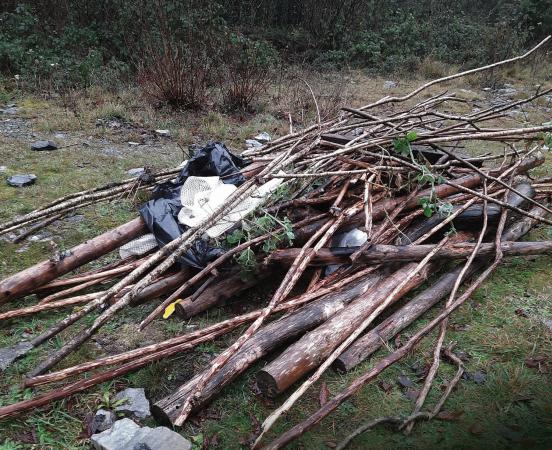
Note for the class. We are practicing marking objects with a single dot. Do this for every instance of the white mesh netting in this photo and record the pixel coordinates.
(138, 246)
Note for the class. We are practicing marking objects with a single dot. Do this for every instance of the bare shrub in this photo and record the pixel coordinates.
(244, 70)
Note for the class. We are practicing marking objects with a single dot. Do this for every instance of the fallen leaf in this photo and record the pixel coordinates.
(331, 444)
(450, 415)
(324, 394)
(405, 382)
(476, 428)
(385, 386)
(537, 362)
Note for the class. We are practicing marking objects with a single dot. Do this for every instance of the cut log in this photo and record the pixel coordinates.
(313, 348)
(30, 279)
(399, 320)
(404, 253)
(261, 343)
(222, 288)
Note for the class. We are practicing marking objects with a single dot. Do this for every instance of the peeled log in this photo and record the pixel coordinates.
(314, 347)
(26, 281)
(261, 343)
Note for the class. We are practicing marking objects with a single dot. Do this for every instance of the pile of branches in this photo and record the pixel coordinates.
(392, 171)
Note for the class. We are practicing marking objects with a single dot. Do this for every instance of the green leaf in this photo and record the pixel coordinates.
(411, 136)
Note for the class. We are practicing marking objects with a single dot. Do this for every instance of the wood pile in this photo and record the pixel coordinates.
(393, 170)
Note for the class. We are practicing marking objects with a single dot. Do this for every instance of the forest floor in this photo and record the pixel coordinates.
(506, 402)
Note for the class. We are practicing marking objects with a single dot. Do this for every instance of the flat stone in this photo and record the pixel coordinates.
(11, 110)
(136, 172)
(136, 403)
(112, 152)
(157, 439)
(103, 420)
(263, 137)
(252, 143)
(10, 354)
(22, 180)
(117, 437)
(389, 84)
(40, 146)
(133, 144)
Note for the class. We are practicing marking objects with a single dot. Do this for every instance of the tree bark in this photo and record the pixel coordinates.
(314, 348)
(261, 343)
(222, 288)
(29, 279)
(405, 253)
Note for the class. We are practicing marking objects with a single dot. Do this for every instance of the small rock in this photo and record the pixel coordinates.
(164, 133)
(60, 135)
(137, 404)
(103, 420)
(357, 131)
(487, 89)
(547, 323)
(117, 437)
(40, 146)
(389, 84)
(22, 180)
(10, 354)
(136, 172)
(75, 218)
(252, 143)
(11, 110)
(157, 439)
(133, 144)
(263, 137)
(112, 152)
(3, 169)
(405, 382)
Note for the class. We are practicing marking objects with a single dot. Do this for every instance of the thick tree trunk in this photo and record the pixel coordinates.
(261, 343)
(29, 279)
(405, 253)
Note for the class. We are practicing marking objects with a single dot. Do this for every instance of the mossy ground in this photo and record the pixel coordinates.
(512, 408)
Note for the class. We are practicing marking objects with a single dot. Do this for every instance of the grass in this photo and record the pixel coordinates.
(511, 409)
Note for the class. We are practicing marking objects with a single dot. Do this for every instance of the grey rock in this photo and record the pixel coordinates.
(21, 180)
(133, 144)
(112, 152)
(11, 110)
(117, 437)
(164, 133)
(103, 420)
(357, 131)
(3, 169)
(389, 84)
(10, 354)
(136, 403)
(40, 146)
(263, 137)
(157, 439)
(60, 136)
(136, 172)
(252, 143)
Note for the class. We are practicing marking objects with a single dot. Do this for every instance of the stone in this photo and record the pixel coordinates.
(136, 172)
(133, 144)
(3, 169)
(252, 143)
(547, 323)
(157, 439)
(112, 152)
(164, 133)
(263, 137)
(103, 420)
(22, 180)
(40, 146)
(117, 437)
(60, 136)
(10, 354)
(136, 403)
(10, 110)
(75, 218)
(389, 84)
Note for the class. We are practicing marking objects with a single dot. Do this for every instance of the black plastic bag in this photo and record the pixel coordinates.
(161, 213)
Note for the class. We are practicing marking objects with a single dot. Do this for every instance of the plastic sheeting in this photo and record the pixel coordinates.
(161, 213)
